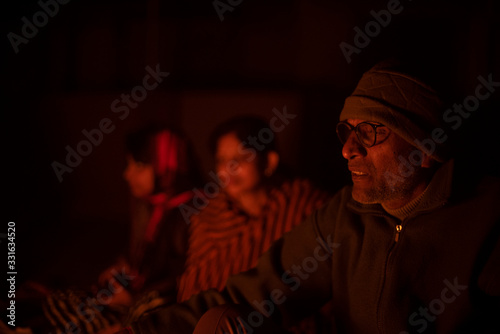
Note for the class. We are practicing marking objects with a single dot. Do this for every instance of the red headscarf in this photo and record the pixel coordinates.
(169, 162)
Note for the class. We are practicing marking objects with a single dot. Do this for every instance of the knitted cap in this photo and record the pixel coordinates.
(401, 102)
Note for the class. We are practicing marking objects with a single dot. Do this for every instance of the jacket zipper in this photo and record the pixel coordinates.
(399, 228)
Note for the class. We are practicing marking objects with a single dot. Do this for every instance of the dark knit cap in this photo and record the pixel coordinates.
(401, 102)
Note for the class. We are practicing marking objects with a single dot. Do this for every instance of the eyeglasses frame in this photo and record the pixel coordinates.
(355, 129)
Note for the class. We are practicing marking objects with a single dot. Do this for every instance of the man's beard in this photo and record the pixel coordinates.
(383, 192)
(395, 188)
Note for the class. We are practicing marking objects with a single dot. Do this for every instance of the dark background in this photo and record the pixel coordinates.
(263, 55)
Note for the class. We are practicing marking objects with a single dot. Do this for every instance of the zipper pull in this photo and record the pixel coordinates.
(399, 227)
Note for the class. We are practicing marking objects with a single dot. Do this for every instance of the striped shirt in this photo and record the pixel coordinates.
(224, 240)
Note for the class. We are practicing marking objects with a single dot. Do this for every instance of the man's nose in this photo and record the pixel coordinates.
(352, 147)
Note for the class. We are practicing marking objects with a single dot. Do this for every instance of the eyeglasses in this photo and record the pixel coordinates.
(369, 134)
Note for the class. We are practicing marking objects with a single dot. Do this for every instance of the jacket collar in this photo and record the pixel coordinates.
(437, 194)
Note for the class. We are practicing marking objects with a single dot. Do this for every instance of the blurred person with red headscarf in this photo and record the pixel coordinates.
(161, 174)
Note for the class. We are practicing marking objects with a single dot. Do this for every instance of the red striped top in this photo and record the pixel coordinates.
(224, 240)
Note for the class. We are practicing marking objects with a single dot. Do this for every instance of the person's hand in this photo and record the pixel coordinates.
(120, 267)
(121, 296)
(108, 281)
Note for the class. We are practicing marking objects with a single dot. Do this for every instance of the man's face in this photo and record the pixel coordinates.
(371, 166)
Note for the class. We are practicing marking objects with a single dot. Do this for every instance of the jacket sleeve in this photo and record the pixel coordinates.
(291, 279)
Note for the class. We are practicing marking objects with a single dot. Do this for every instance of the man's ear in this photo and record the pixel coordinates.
(427, 161)
(273, 160)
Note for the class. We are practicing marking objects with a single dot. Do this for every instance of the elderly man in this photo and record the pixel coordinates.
(411, 247)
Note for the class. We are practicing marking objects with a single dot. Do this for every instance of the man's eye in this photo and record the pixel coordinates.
(382, 131)
(366, 129)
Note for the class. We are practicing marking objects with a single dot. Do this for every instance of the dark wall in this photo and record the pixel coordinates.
(263, 55)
